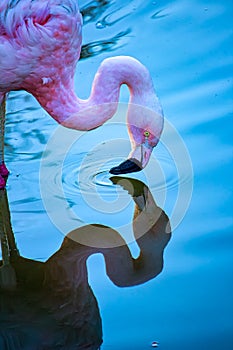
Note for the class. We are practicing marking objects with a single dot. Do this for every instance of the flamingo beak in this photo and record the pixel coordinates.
(128, 166)
(137, 160)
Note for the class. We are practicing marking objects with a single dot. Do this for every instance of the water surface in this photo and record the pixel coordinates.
(187, 47)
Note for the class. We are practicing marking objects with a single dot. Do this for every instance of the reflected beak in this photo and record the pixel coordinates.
(138, 159)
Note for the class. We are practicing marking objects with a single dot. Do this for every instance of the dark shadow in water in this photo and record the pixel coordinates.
(50, 305)
(91, 12)
(94, 9)
(97, 47)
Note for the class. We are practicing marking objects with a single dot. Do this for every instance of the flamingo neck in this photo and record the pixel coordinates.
(60, 101)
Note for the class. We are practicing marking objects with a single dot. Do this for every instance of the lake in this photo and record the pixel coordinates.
(59, 179)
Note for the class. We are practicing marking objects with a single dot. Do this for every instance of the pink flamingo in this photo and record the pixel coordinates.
(40, 43)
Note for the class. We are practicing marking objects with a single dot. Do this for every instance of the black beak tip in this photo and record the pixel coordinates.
(128, 166)
(115, 171)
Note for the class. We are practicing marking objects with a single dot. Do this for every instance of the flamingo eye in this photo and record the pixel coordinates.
(146, 133)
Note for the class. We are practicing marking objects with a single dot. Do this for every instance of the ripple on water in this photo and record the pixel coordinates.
(88, 178)
(93, 175)
(79, 176)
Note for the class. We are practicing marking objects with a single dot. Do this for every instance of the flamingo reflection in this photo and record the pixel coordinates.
(50, 305)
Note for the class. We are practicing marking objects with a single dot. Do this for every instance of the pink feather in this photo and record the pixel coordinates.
(40, 43)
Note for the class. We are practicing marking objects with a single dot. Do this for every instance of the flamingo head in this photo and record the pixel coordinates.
(144, 137)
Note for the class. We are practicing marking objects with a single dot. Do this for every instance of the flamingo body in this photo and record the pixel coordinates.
(40, 44)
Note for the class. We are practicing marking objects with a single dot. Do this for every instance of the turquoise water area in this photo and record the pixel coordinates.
(187, 47)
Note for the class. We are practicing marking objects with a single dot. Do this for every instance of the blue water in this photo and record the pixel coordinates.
(187, 47)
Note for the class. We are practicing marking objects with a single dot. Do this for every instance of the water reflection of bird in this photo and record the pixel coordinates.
(51, 303)
(40, 43)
